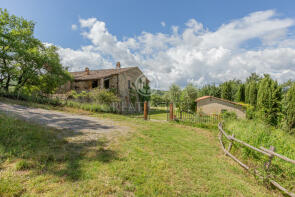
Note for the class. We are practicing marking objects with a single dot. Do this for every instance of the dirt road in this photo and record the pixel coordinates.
(76, 127)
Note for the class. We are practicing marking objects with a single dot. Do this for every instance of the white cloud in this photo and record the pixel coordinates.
(163, 24)
(74, 27)
(195, 54)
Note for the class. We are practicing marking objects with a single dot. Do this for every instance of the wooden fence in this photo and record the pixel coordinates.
(268, 152)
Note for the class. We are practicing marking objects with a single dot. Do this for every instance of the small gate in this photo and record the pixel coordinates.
(158, 111)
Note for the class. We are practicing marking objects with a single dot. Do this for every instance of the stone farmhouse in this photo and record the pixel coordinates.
(212, 105)
(121, 80)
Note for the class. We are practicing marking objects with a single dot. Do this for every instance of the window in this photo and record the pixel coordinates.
(94, 84)
(107, 84)
(129, 84)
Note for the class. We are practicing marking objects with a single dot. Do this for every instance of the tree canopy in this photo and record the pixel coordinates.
(26, 64)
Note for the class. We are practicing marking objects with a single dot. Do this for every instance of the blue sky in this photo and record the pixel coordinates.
(160, 48)
(128, 18)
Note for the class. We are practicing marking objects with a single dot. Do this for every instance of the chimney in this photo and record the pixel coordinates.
(87, 70)
(118, 65)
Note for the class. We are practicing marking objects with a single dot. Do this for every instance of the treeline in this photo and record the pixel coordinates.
(27, 66)
(263, 97)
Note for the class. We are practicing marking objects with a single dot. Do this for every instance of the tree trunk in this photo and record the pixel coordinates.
(6, 88)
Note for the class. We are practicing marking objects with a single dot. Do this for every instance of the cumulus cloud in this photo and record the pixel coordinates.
(163, 24)
(74, 27)
(196, 54)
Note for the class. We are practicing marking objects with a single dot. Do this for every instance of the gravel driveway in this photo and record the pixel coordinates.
(74, 127)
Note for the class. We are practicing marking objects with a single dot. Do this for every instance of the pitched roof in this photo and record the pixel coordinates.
(206, 97)
(98, 74)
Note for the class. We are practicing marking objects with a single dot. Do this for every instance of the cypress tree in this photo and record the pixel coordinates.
(226, 91)
(252, 93)
(268, 100)
(240, 95)
(247, 88)
(290, 107)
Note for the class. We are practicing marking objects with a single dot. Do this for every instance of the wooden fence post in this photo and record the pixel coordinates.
(267, 164)
(231, 143)
(171, 112)
(145, 110)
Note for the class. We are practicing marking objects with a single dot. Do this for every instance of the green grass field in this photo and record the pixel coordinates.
(153, 159)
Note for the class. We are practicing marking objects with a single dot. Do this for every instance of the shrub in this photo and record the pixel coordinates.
(23, 165)
(103, 96)
(250, 112)
(229, 115)
(35, 97)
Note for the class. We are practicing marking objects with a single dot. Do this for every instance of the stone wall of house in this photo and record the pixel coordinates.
(114, 81)
(215, 106)
(64, 88)
(118, 82)
(131, 75)
(81, 85)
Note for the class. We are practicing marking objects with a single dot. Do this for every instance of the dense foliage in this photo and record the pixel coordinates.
(289, 109)
(26, 64)
(97, 100)
(268, 100)
(264, 97)
(257, 133)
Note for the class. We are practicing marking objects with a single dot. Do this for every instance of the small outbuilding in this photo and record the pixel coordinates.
(213, 105)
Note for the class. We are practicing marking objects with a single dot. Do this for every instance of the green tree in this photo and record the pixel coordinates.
(289, 107)
(247, 88)
(15, 32)
(251, 88)
(188, 97)
(229, 89)
(157, 99)
(25, 63)
(210, 90)
(52, 74)
(253, 93)
(268, 100)
(286, 86)
(253, 77)
(226, 91)
(174, 93)
(240, 94)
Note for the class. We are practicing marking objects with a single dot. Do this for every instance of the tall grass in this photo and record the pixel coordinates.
(35, 98)
(259, 134)
(93, 107)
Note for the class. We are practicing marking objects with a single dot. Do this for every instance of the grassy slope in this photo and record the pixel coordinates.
(158, 159)
(258, 134)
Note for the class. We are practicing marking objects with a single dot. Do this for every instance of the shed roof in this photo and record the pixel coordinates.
(224, 100)
(98, 74)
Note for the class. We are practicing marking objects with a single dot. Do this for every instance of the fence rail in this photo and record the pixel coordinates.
(262, 150)
(196, 118)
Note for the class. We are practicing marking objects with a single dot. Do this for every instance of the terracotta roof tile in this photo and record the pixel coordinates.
(97, 74)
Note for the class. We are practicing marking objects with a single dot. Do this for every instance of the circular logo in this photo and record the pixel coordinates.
(146, 85)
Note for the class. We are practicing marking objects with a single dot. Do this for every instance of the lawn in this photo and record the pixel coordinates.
(153, 159)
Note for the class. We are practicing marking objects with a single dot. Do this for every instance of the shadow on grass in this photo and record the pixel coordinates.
(49, 150)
